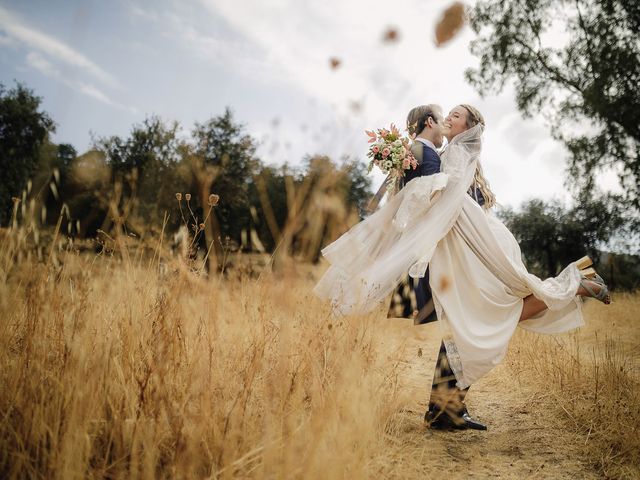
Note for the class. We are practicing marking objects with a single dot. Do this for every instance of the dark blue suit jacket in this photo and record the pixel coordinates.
(429, 165)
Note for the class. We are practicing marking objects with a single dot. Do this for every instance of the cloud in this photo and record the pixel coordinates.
(297, 40)
(6, 41)
(351, 31)
(202, 41)
(41, 64)
(284, 47)
(15, 30)
(94, 92)
(386, 79)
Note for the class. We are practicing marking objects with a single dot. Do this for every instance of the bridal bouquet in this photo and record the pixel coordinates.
(390, 152)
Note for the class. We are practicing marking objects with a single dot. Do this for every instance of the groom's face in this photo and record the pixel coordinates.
(438, 127)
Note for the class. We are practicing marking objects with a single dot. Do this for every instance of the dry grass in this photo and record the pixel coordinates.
(121, 372)
(589, 382)
(143, 369)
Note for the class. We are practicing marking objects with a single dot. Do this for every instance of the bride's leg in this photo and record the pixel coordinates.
(531, 306)
(595, 288)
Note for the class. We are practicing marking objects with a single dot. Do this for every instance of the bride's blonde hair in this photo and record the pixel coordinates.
(474, 117)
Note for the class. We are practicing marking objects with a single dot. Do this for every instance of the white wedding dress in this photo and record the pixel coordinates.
(477, 276)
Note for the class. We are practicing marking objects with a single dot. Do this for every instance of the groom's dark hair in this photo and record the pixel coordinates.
(418, 116)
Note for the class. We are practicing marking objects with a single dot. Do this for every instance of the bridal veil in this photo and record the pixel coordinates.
(477, 276)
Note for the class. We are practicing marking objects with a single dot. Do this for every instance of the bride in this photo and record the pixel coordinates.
(481, 288)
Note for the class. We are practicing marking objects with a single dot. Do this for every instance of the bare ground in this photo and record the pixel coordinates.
(522, 440)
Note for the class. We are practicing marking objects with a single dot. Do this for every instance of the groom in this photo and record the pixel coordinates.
(413, 298)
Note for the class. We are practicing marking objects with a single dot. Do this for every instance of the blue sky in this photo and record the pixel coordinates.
(103, 66)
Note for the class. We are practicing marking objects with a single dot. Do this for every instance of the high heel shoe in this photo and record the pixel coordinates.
(603, 294)
(585, 265)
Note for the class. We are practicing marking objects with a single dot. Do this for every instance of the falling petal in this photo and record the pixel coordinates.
(355, 106)
(453, 19)
(390, 35)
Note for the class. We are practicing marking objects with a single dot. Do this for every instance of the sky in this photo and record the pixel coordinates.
(102, 67)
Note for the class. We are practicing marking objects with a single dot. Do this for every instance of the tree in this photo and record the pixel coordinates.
(51, 187)
(301, 210)
(333, 198)
(586, 86)
(224, 162)
(358, 185)
(146, 165)
(552, 236)
(24, 129)
(86, 187)
(268, 195)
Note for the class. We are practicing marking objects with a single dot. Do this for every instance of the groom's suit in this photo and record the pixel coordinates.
(413, 298)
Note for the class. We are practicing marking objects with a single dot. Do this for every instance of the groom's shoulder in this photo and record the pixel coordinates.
(430, 161)
(429, 152)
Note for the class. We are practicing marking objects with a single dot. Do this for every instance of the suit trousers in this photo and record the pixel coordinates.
(445, 396)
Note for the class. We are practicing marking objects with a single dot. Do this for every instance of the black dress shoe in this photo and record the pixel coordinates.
(443, 421)
(472, 423)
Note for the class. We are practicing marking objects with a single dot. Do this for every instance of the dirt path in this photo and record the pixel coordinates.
(521, 440)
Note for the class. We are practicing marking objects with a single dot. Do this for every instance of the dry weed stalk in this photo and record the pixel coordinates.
(129, 373)
(591, 380)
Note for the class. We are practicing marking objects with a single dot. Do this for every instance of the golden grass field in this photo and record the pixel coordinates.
(142, 369)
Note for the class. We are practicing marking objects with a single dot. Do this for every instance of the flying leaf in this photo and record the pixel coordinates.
(452, 20)
(355, 106)
(390, 35)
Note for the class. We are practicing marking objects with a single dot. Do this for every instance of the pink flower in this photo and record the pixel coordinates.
(386, 152)
(406, 163)
(375, 149)
(372, 136)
